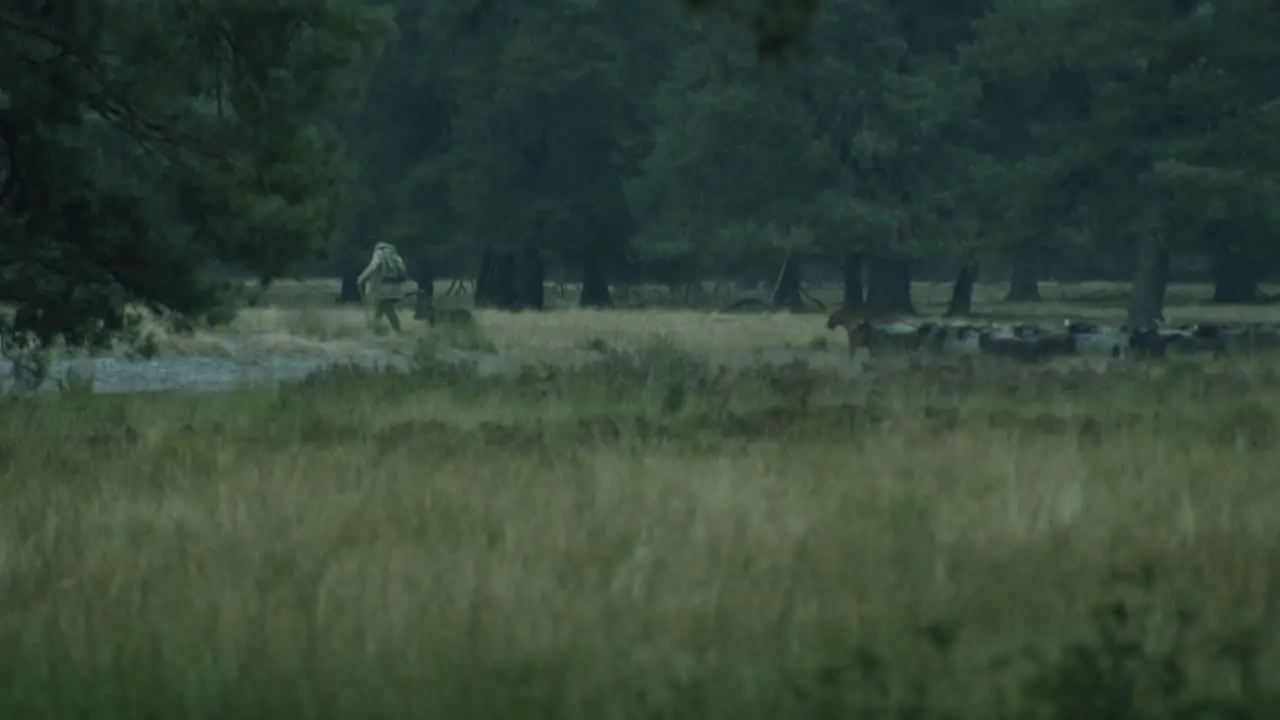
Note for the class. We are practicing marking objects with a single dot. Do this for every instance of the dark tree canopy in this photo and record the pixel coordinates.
(146, 144)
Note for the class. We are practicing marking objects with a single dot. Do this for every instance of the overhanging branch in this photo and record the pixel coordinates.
(107, 104)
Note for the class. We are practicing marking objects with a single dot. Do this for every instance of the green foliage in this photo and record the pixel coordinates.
(845, 146)
(777, 25)
(732, 166)
(1163, 119)
(957, 130)
(519, 142)
(147, 144)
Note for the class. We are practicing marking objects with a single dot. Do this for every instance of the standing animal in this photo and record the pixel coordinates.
(852, 322)
(874, 332)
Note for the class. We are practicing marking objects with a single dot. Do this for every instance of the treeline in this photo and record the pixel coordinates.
(607, 141)
(632, 140)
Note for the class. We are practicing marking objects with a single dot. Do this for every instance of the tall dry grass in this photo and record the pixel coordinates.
(647, 537)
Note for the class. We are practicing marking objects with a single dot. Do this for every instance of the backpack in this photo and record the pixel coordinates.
(393, 270)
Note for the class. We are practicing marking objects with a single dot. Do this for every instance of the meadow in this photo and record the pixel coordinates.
(661, 528)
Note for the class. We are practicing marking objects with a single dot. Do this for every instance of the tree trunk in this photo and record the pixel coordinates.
(595, 284)
(1150, 279)
(350, 290)
(889, 286)
(486, 294)
(505, 288)
(1161, 278)
(496, 282)
(1024, 279)
(851, 273)
(1235, 279)
(786, 292)
(425, 277)
(529, 277)
(962, 291)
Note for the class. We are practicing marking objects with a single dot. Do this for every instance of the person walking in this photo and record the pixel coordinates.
(383, 280)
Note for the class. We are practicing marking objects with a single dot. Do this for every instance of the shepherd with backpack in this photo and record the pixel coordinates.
(383, 280)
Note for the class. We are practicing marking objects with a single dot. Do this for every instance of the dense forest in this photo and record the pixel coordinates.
(630, 140)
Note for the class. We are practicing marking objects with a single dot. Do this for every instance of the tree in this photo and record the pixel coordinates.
(402, 123)
(539, 104)
(890, 104)
(595, 136)
(145, 147)
(1168, 126)
(845, 145)
(731, 170)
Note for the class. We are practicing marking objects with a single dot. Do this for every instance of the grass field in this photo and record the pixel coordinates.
(646, 536)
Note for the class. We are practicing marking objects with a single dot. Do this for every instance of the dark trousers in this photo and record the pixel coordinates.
(387, 308)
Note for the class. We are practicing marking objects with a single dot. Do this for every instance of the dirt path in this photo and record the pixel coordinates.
(196, 373)
(219, 374)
